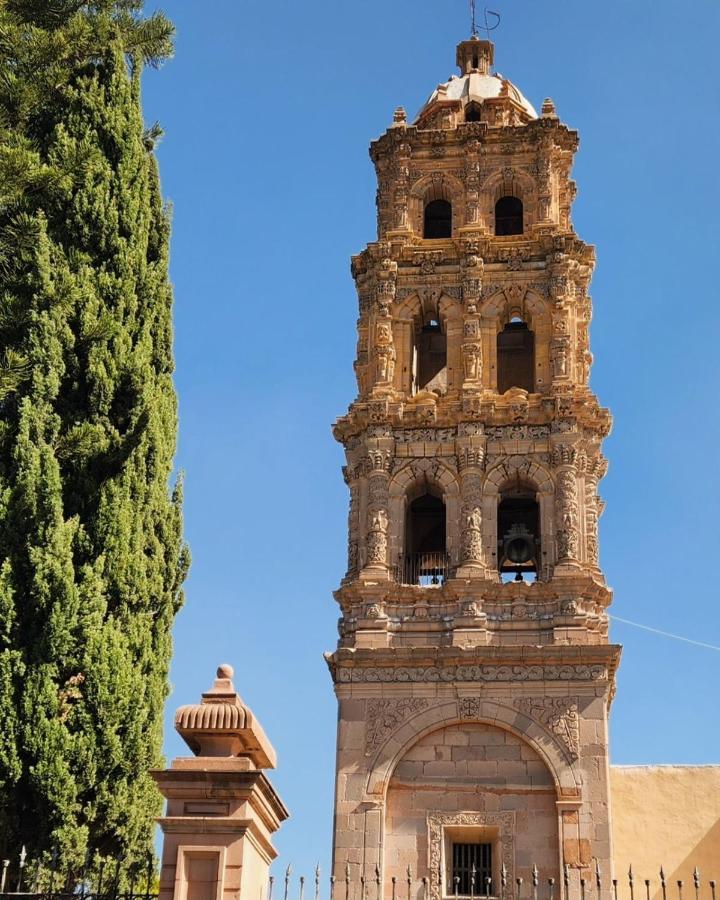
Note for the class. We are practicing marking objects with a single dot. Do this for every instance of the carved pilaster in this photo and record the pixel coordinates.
(567, 534)
(379, 462)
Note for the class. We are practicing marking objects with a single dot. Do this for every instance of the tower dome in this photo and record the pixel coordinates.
(468, 93)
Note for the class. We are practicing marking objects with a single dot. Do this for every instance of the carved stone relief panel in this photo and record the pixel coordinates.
(438, 822)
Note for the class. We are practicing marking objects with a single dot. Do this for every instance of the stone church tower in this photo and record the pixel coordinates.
(473, 671)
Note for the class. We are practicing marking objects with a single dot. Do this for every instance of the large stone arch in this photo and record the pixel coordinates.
(412, 479)
(485, 712)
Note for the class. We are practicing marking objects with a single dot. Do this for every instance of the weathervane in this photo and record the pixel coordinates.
(488, 26)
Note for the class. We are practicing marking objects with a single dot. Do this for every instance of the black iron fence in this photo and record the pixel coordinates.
(423, 569)
(96, 878)
(576, 884)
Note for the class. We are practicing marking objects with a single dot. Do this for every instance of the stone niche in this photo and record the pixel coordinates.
(470, 783)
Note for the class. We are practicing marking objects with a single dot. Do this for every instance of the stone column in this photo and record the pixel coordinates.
(567, 533)
(222, 810)
(378, 515)
(471, 456)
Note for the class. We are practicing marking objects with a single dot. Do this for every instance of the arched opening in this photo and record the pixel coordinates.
(425, 561)
(516, 357)
(437, 221)
(430, 358)
(508, 216)
(518, 532)
(468, 830)
(472, 112)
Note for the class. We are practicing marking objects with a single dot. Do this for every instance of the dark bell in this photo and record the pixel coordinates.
(519, 545)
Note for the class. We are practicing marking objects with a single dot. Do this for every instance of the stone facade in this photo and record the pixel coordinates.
(473, 708)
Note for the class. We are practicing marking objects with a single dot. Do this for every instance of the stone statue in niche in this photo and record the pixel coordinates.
(472, 359)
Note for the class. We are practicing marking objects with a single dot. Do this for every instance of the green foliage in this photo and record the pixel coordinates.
(91, 553)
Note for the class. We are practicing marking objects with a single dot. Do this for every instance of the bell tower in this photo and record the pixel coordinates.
(473, 670)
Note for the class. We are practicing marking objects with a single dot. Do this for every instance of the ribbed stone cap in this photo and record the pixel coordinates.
(221, 725)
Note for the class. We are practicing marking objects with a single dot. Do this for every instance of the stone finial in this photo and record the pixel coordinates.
(548, 109)
(475, 56)
(222, 726)
(399, 116)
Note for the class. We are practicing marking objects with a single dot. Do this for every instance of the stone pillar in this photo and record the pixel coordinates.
(222, 810)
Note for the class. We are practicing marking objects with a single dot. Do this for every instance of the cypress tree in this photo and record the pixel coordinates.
(91, 552)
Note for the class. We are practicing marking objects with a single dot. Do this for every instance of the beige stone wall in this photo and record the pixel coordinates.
(669, 816)
(472, 768)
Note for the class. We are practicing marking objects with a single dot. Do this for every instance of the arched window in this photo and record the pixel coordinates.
(437, 221)
(430, 358)
(508, 216)
(472, 112)
(425, 560)
(516, 357)
(518, 532)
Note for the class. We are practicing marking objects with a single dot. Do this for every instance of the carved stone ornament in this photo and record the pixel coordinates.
(406, 674)
(557, 714)
(469, 707)
(504, 822)
(384, 716)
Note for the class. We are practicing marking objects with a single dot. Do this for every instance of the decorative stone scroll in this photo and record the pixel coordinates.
(384, 716)
(557, 714)
(504, 822)
(406, 674)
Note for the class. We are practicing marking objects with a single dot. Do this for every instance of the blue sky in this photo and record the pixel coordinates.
(269, 109)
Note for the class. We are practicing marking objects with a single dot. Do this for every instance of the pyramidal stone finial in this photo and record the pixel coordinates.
(548, 109)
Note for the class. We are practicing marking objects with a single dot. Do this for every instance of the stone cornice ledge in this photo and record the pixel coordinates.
(596, 663)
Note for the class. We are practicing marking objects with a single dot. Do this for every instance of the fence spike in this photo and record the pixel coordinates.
(302, 887)
(457, 885)
(317, 882)
(598, 876)
(488, 885)
(23, 857)
(271, 883)
(551, 888)
(472, 881)
(566, 876)
(680, 887)
(696, 882)
(3, 877)
(347, 880)
(712, 889)
(425, 886)
(503, 877)
(647, 889)
(394, 886)
(615, 888)
(582, 888)
(332, 887)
